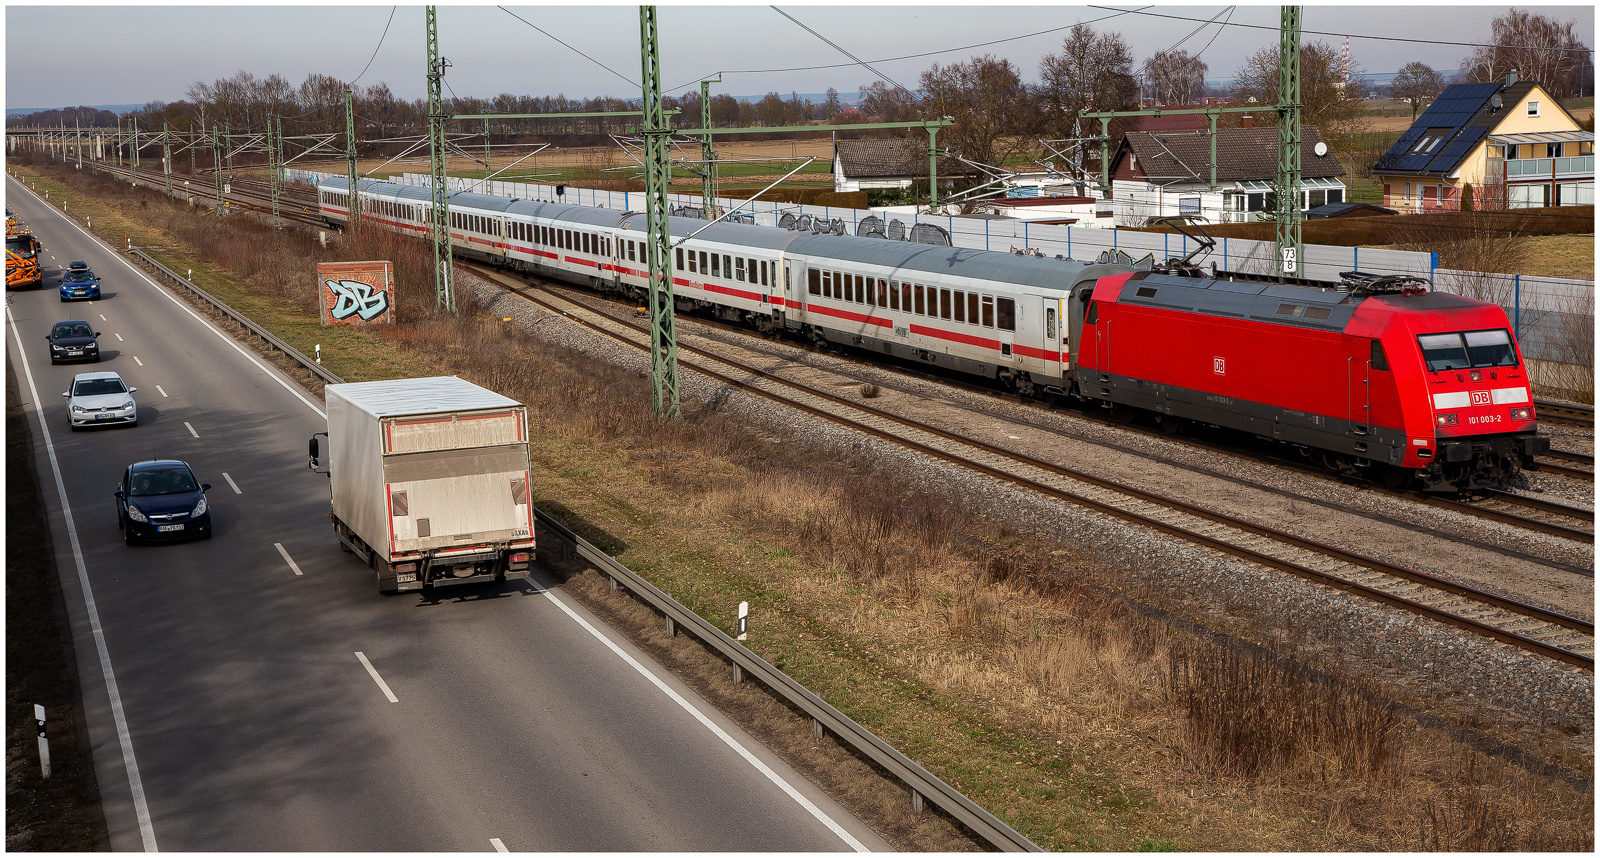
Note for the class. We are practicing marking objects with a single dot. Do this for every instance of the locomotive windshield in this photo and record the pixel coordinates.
(1464, 349)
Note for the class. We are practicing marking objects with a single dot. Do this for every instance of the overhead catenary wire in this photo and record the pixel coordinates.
(378, 48)
(625, 78)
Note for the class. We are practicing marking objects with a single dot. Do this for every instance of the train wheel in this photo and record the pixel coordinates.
(1123, 414)
(1170, 424)
(1392, 477)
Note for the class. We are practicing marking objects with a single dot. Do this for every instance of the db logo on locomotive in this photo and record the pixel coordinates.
(1480, 397)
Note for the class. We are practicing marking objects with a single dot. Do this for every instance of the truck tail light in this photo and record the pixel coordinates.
(1522, 414)
(1445, 419)
(406, 567)
(520, 559)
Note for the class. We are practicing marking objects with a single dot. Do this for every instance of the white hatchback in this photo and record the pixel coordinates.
(100, 399)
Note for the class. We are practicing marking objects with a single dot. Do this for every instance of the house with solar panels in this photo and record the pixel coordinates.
(1164, 173)
(1511, 143)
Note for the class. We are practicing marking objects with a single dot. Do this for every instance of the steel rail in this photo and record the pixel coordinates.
(1486, 629)
(1565, 412)
(925, 786)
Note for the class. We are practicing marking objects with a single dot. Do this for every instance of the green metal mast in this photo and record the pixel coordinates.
(443, 269)
(166, 156)
(663, 332)
(134, 174)
(486, 156)
(350, 154)
(274, 166)
(216, 168)
(1289, 245)
(708, 156)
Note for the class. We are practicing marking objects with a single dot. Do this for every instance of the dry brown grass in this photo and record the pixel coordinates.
(1015, 670)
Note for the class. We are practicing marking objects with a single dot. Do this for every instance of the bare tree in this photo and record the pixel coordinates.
(1540, 49)
(1092, 72)
(991, 106)
(1176, 77)
(888, 104)
(1328, 99)
(1418, 84)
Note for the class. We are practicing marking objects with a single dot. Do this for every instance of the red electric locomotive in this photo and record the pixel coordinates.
(1372, 375)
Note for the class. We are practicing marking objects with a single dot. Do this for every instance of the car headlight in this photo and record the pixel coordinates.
(56, 348)
(135, 514)
(127, 405)
(199, 508)
(79, 409)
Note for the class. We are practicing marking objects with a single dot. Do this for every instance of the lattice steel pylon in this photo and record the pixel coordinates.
(439, 220)
(1289, 245)
(216, 168)
(663, 331)
(350, 154)
(708, 155)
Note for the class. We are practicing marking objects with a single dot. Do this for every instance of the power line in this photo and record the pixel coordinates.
(1353, 35)
(625, 79)
(859, 61)
(909, 56)
(380, 46)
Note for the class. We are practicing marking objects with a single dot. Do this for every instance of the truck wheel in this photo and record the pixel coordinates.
(345, 548)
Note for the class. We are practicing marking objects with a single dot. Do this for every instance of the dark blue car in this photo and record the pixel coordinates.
(161, 500)
(78, 282)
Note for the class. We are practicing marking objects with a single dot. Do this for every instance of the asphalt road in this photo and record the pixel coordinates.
(228, 701)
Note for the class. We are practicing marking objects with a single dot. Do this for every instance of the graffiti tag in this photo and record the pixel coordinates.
(357, 298)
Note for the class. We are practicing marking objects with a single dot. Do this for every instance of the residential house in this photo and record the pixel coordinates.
(1511, 142)
(1164, 173)
(862, 165)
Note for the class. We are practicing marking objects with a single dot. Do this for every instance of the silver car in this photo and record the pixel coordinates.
(100, 399)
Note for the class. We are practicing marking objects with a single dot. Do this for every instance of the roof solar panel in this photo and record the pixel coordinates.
(1464, 142)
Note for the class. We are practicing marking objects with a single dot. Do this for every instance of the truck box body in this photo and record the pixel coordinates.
(431, 476)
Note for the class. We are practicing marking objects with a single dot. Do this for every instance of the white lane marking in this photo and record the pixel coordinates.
(137, 361)
(231, 484)
(296, 567)
(102, 317)
(163, 392)
(191, 429)
(190, 310)
(376, 678)
(141, 810)
(731, 742)
(118, 336)
(498, 846)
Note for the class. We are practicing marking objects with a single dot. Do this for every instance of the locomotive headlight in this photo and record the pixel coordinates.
(1446, 420)
(1522, 414)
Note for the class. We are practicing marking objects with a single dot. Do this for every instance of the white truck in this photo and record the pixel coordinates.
(429, 478)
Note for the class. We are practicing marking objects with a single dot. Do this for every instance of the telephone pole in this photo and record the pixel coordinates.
(663, 331)
(444, 298)
(1289, 245)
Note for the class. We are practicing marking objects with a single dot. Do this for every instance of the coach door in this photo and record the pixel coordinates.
(1358, 375)
(1055, 336)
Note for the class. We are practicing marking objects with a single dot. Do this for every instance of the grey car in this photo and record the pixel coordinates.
(100, 399)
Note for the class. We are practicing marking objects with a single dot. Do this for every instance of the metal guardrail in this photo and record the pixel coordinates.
(924, 785)
(280, 345)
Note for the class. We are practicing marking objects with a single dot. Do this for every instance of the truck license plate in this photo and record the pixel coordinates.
(168, 528)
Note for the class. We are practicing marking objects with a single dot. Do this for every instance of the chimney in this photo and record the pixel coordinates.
(1511, 77)
(1247, 121)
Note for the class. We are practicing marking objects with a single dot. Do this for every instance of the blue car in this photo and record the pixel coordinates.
(78, 282)
(162, 500)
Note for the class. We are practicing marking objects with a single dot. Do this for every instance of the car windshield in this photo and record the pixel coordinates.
(78, 275)
(98, 387)
(72, 331)
(1463, 349)
(168, 481)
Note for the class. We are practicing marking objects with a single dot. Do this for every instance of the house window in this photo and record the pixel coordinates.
(1533, 108)
(1335, 195)
(1552, 150)
(1497, 151)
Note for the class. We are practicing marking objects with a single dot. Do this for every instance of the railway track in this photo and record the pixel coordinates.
(1563, 412)
(1547, 633)
(243, 193)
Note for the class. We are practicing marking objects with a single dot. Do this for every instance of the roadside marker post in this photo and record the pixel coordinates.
(744, 619)
(44, 742)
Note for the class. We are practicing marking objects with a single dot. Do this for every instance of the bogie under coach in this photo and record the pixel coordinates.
(1371, 376)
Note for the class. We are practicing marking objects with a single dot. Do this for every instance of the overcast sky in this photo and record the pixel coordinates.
(67, 55)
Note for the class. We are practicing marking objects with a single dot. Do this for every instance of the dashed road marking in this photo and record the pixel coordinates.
(498, 846)
(137, 361)
(191, 429)
(102, 317)
(118, 336)
(296, 567)
(233, 485)
(163, 392)
(378, 679)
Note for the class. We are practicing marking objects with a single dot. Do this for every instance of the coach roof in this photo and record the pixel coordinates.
(749, 235)
(584, 215)
(1040, 271)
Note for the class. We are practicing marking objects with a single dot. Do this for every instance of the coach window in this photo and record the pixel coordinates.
(827, 284)
(813, 281)
(680, 259)
(1379, 359)
(764, 273)
(905, 297)
(1006, 309)
(988, 310)
(716, 267)
(872, 294)
(883, 293)
(972, 307)
(738, 268)
(894, 294)
(863, 290)
(960, 307)
(727, 266)
(917, 290)
(944, 304)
